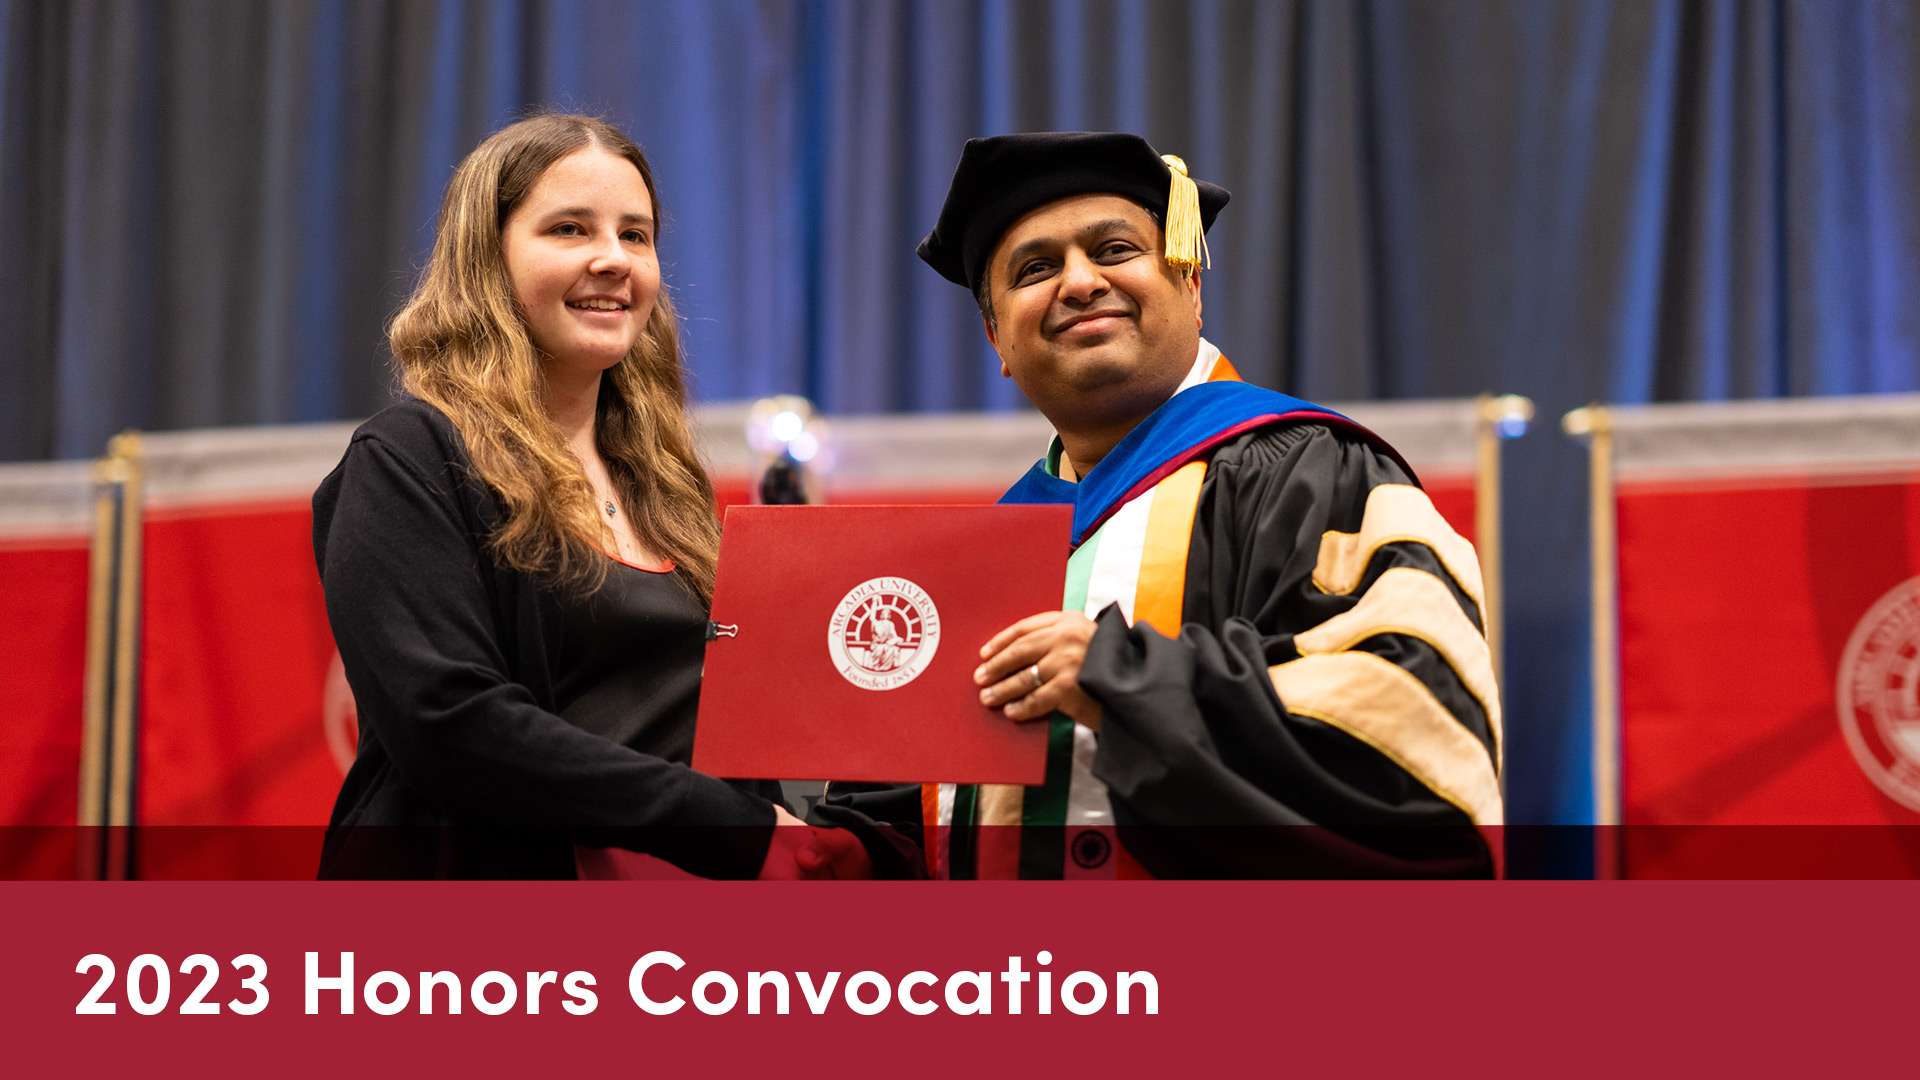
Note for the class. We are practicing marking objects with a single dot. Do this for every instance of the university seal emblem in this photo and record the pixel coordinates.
(883, 633)
(1879, 694)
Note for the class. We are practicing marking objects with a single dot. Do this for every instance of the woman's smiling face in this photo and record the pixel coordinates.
(579, 252)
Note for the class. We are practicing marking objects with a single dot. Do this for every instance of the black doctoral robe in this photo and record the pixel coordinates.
(1385, 765)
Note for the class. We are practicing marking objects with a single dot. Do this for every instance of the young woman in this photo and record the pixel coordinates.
(517, 557)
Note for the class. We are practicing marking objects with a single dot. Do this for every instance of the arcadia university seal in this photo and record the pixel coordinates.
(1879, 694)
(883, 633)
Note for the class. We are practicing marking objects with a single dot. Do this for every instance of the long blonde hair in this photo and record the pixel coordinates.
(461, 344)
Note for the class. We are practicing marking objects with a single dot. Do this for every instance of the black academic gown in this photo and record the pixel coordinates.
(1210, 774)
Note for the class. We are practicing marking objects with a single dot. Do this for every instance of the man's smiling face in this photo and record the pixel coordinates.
(1089, 320)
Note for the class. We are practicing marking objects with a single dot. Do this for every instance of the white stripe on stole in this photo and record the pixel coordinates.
(1116, 572)
(1116, 563)
(943, 858)
(1114, 578)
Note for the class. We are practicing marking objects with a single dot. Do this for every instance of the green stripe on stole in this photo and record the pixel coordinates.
(1105, 569)
(1043, 851)
(962, 851)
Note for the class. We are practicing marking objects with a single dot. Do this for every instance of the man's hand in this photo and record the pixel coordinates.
(1032, 668)
(802, 852)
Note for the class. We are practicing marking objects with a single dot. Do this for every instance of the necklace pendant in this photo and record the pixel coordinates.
(611, 509)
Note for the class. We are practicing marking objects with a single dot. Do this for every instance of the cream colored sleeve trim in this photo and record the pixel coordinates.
(1393, 712)
(1396, 513)
(1410, 601)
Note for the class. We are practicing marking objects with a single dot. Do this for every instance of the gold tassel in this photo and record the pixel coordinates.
(1186, 236)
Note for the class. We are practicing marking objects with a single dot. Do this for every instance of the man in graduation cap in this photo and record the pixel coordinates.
(1270, 659)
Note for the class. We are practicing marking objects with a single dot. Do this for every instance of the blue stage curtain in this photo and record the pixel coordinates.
(208, 209)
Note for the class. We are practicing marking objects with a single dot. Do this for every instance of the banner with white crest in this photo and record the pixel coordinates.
(1757, 623)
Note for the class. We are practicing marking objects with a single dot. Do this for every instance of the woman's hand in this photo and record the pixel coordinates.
(1032, 668)
(834, 854)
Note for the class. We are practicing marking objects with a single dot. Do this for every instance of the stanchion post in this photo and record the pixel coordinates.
(109, 477)
(108, 746)
(1498, 417)
(1594, 424)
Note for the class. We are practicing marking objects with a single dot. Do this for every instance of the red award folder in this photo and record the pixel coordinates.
(847, 637)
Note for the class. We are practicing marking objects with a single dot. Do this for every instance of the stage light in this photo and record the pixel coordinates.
(1512, 414)
(774, 422)
(791, 449)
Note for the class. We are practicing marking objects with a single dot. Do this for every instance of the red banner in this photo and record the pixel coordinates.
(43, 658)
(1768, 635)
(235, 724)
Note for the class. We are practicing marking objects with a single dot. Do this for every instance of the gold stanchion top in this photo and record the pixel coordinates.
(1587, 421)
(124, 446)
(1509, 414)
